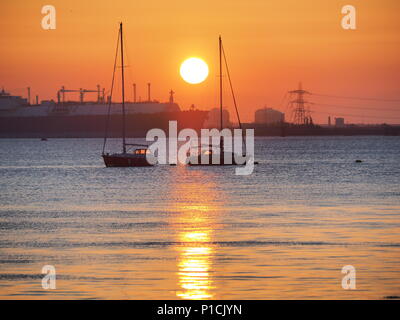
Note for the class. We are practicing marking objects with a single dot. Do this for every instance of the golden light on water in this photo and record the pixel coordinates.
(194, 273)
(195, 257)
(196, 223)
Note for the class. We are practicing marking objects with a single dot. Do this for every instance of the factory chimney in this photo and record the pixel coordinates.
(98, 94)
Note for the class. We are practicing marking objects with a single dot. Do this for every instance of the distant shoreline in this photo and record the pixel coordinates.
(273, 133)
(137, 126)
(287, 130)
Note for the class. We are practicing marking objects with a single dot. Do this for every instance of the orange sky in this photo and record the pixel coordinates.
(271, 46)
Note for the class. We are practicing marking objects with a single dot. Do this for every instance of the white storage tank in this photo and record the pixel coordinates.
(268, 116)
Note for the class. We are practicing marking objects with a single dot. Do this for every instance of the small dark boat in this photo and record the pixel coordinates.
(213, 156)
(217, 155)
(210, 158)
(140, 157)
(43, 139)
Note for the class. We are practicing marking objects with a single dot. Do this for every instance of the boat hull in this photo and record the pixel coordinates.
(213, 160)
(125, 160)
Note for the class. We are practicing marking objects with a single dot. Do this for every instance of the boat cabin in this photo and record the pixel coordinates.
(141, 151)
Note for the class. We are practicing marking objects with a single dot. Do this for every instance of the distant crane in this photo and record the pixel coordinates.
(62, 91)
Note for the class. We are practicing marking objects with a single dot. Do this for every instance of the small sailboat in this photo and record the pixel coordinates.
(141, 154)
(216, 155)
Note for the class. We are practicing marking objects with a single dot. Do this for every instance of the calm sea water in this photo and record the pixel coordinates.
(283, 232)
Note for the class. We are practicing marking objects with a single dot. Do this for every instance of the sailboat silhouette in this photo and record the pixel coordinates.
(211, 155)
(139, 157)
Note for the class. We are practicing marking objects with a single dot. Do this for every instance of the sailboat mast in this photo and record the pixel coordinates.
(220, 97)
(123, 91)
(220, 80)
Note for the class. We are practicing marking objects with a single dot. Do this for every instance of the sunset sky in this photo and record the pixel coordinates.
(271, 46)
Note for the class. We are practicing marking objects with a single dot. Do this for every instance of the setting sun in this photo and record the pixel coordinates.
(194, 70)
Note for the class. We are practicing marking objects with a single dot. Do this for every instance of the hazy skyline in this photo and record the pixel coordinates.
(270, 46)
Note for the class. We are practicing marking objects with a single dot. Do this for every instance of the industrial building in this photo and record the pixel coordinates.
(339, 122)
(213, 119)
(268, 116)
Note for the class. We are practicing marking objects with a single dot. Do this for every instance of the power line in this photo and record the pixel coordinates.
(354, 107)
(357, 116)
(355, 98)
(351, 115)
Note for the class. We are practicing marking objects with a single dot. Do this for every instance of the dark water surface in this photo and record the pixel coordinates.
(283, 232)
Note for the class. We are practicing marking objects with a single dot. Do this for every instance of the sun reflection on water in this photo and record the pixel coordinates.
(195, 226)
(194, 273)
(195, 257)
